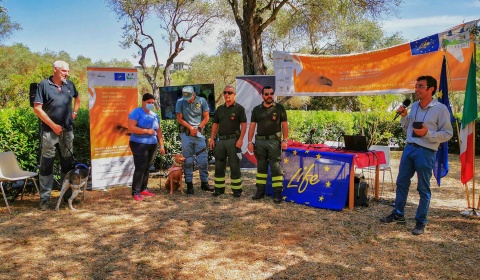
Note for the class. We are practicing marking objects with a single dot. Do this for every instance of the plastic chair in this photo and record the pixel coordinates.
(11, 171)
(334, 144)
(383, 167)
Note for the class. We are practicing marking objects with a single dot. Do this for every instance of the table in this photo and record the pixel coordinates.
(320, 176)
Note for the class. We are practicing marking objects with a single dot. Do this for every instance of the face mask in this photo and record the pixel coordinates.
(149, 106)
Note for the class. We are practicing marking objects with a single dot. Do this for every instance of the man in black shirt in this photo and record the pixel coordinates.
(271, 119)
(230, 122)
(53, 105)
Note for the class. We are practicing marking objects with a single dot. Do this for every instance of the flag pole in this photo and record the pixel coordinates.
(475, 57)
(473, 163)
(467, 192)
(473, 212)
(473, 178)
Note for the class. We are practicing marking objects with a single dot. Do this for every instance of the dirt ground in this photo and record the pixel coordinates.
(111, 236)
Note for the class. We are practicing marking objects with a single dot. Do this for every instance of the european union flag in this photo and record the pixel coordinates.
(425, 45)
(441, 161)
(314, 178)
(119, 76)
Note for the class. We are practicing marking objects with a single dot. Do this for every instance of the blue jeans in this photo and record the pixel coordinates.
(190, 146)
(420, 160)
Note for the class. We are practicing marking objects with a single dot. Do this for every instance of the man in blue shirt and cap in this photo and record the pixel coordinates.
(192, 115)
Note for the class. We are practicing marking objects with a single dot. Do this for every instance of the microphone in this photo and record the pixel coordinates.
(342, 133)
(405, 105)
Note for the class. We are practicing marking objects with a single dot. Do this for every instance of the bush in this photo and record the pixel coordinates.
(171, 139)
(19, 130)
(327, 125)
(19, 133)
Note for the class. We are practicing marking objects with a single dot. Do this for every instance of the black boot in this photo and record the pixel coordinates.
(206, 187)
(237, 193)
(190, 188)
(277, 195)
(218, 191)
(260, 193)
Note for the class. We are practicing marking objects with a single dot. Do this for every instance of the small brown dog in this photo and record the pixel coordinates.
(175, 174)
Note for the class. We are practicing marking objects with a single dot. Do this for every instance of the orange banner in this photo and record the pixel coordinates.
(387, 71)
(113, 94)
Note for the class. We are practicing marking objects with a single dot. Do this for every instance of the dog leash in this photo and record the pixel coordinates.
(201, 151)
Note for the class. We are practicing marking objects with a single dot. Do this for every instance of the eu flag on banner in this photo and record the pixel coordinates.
(441, 162)
(119, 76)
(425, 45)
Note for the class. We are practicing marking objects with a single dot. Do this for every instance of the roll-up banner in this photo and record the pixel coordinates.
(113, 94)
(249, 95)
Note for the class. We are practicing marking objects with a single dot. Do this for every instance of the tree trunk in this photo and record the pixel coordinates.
(251, 37)
(166, 75)
(156, 94)
(253, 63)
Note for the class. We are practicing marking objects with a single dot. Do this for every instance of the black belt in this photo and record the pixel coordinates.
(418, 146)
(229, 136)
(266, 137)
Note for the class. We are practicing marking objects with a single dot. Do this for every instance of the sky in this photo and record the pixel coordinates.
(89, 28)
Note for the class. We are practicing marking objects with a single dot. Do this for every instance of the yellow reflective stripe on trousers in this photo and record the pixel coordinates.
(238, 181)
(219, 182)
(277, 181)
(261, 179)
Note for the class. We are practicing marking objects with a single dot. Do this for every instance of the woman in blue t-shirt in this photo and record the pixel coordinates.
(146, 132)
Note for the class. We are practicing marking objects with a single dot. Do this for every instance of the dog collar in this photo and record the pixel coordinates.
(174, 168)
(177, 164)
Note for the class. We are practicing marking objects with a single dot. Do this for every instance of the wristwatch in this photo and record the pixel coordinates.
(74, 113)
(285, 140)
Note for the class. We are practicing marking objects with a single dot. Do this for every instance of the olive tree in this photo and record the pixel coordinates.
(178, 22)
(7, 26)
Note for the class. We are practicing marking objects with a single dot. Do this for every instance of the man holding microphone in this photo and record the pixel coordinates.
(427, 125)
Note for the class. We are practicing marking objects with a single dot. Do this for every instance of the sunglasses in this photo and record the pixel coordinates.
(267, 94)
(228, 92)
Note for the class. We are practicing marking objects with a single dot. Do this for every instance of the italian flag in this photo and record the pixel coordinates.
(470, 114)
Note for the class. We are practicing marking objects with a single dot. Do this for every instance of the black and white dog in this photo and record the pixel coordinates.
(77, 180)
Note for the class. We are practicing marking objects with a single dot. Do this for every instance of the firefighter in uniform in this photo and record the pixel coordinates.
(230, 122)
(271, 139)
(192, 115)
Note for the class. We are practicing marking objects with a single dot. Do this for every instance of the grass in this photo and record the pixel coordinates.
(201, 237)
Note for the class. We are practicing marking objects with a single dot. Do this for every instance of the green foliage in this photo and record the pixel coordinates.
(7, 26)
(20, 126)
(182, 77)
(19, 134)
(171, 142)
(171, 139)
(81, 140)
(19, 67)
(221, 69)
(342, 103)
(328, 125)
(378, 126)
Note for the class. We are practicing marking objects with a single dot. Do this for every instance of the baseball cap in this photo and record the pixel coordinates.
(187, 92)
